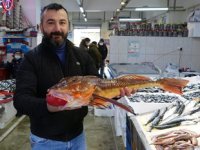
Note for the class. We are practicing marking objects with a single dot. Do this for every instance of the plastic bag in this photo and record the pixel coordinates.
(194, 16)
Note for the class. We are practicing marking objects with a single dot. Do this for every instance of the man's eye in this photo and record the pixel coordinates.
(50, 23)
(62, 23)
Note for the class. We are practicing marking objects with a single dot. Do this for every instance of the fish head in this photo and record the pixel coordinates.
(73, 91)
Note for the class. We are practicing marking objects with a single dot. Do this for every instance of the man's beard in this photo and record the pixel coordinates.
(54, 42)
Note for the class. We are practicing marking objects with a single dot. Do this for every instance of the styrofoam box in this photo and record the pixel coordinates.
(107, 112)
(194, 29)
(8, 114)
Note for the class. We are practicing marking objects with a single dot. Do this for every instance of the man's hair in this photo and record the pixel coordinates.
(87, 39)
(52, 6)
(94, 42)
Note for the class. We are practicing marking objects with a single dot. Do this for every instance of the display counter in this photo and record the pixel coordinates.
(134, 129)
(138, 138)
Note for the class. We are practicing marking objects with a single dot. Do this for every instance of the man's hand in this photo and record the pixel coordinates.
(52, 108)
(126, 92)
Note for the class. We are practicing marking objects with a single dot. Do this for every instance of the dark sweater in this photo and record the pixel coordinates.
(41, 69)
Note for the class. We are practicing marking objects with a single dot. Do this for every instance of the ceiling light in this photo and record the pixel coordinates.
(118, 9)
(151, 9)
(81, 9)
(129, 19)
(85, 19)
(122, 3)
(84, 15)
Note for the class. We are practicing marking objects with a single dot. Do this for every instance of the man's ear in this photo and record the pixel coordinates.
(41, 28)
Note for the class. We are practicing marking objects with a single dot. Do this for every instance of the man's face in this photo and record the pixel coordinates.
(55, 26)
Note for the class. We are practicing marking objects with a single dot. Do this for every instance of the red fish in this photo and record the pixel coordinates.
(80, 91)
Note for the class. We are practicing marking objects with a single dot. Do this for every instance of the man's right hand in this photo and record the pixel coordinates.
(52, 108)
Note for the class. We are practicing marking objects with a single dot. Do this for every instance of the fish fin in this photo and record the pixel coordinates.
(123, 106)
(99, 103)
(173, 85)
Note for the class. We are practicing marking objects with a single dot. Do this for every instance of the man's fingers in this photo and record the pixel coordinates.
(122, 92)
(127, 91)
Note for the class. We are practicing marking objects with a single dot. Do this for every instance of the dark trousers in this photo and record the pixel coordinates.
(102, 68)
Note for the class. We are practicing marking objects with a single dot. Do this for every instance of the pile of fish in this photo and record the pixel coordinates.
(191, 87)
(191, 95)
(8, 85)
(178, 139)
(178, 113)
(151, 90)
(153, 97)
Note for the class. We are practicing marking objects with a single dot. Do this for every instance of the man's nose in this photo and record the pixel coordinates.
(57, 27)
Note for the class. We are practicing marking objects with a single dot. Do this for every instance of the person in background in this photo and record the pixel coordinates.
(15, 63)
(53, 127)
(85, 44)
(94, 52)
(103, 51)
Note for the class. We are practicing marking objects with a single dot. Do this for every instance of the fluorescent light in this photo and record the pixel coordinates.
(122, 3)
(84, 15)
(118, 9)
(129, 19)
(81, 9)
(85, 19)
(151, 9)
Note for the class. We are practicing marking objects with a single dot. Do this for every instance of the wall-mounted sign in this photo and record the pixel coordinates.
(133, 48)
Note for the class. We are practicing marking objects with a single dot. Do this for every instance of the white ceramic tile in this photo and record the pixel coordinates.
(195, 46)
(123, 58)
(150, 45)
(159, 45)
(195, 63)
(186, 61)
(168, 45)
(141, 58)
(174, 59)
(187, 46)
(142, 43)
(114, 58)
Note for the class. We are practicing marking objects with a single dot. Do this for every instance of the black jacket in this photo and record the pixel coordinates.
(41, 69)
(103, 51)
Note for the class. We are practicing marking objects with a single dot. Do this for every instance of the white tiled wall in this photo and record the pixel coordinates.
(159, 50)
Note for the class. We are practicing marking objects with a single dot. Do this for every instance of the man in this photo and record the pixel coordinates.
(103, 51)
(56, 57)
(85, 44)
(94, 53)
(15, 63)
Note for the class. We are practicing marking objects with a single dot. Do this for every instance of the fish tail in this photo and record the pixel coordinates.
(173, 85)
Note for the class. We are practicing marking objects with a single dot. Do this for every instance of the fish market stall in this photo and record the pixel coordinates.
(7, 110)
(173, 126)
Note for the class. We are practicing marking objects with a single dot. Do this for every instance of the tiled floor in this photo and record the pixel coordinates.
(100, 135)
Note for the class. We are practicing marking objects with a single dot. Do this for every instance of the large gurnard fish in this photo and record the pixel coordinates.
(77, 91)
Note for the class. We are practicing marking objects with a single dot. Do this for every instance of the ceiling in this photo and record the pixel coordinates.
(106, 9)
